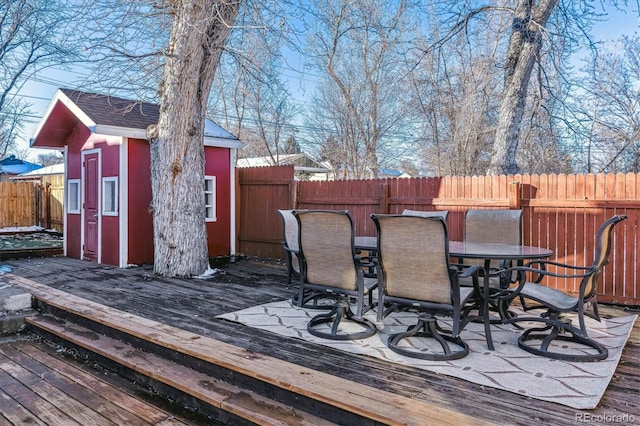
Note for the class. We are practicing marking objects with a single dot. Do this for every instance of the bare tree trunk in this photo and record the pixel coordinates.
(198, 34)
(524, 47)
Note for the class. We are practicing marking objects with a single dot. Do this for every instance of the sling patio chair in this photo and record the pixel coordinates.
(329, 266)
(492, 226)
(557, 303)
(415, 275)
(290, 246)
(311, 300)
(290, 243)
(370, 257)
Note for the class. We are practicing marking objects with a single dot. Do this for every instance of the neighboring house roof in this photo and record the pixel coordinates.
(108, 115)
(389, 172)
(392, 173)
(14, 166)
(301, 162)
(56, 169)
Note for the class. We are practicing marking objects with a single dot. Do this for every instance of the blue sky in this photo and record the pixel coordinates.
(41, 88)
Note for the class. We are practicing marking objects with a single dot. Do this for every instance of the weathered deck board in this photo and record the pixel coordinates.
(193, 304)
(40, 387)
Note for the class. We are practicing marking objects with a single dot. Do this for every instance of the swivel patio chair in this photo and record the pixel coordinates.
(557, 303)
(290, 243)
(493, 226)
(370, 257)
(330, 267)
(414, 274)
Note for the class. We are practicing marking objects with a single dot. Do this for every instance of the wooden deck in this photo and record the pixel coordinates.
(38, 386)
(192, 305)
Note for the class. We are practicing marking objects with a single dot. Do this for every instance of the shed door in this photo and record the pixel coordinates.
(91, 188)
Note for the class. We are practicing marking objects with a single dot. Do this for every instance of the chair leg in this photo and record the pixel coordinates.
(561, 330)
(311, 300)
(289, 267)
(341, 312)
(427, 327)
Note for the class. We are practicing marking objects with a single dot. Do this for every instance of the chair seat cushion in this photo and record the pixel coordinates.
(370, 284)
(494, 282)
(465, 294)
(549, 296)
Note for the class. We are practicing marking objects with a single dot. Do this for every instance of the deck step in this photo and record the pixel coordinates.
(219, 394)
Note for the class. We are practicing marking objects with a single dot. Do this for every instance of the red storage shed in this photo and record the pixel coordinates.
(108, 177)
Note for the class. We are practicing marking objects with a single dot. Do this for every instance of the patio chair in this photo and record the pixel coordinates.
(415, 274)
(557, 303)
(437, 213)
(493, 226)
(370, 256)
(290, 243)
(329, 266)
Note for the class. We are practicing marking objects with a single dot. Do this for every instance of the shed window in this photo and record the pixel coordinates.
(210, 198)
(110, 196)
(73, 199)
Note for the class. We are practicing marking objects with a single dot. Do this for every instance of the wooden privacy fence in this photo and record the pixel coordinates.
(560, 212)
(29, 203)
(17, 204)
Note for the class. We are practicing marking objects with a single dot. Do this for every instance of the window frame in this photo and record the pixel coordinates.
(106, 181)
(78, 200)
(212, 193)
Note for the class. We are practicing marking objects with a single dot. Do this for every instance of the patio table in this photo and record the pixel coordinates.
(485, 251)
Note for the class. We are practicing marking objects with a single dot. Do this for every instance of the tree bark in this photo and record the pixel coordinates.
(524, 47)
(198, 34)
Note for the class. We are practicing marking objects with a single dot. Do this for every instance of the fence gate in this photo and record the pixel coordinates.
(263, 190)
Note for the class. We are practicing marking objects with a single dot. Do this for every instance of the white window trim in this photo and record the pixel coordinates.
(78, 200)
(115, 194)
(213, 199)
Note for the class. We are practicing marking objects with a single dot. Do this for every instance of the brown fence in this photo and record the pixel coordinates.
(17, 204)
(29, 203)
(51, 202)
(560, 212)
(263, 190)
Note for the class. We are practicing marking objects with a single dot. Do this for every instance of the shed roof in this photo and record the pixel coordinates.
(108, 115)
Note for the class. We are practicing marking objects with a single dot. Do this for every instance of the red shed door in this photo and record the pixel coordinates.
(91, 187)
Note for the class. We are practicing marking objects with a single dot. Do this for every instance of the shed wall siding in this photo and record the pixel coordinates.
(73, 228)
(140, 221)
(218, 164)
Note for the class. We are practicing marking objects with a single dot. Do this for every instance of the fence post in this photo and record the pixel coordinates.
(47, 205)
(38, 199)
(293, 187)
(384, 198)
(515, 195)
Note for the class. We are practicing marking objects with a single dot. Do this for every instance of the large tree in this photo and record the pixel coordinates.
(198, 35)
(528, 29)
(543, 34)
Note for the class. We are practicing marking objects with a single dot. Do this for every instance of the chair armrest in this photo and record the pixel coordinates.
(521, 271)
(543, 264)
(467, 270)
